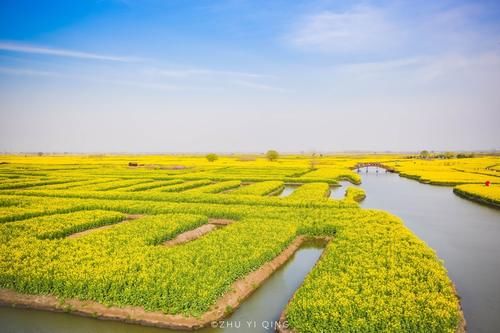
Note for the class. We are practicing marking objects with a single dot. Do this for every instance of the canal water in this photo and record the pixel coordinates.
(287, 190)
(338, 192)
(464, 234)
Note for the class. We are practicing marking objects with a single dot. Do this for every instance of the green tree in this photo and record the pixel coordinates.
(425, 154)
(272, 155)
(449, 155)
(212, 157)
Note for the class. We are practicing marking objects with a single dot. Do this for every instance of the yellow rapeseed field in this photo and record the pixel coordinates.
(375, 275)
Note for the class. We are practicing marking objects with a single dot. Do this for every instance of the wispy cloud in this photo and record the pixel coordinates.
(19, 71)
(34, 49)
(469, 66)
(424, 69)
(155, 78)
(259, 86)
(382, 66)
(196, 72)
(26, 71)
(218, 77)
(358, 29)
(390, 30)
(147, 85)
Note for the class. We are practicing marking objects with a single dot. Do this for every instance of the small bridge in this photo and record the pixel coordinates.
(373, 164)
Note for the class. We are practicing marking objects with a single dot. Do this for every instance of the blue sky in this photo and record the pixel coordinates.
(246, 76)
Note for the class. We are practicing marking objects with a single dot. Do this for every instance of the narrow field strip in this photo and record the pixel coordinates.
(182, 186)
(129, 217)
(26, 210)
(113, 185)
(67, 186)
(33, 183)
(260, 188)
(310, 191)
(487, 195)
(216, 188)
(151, 185)
(331, 173)
(11, 181)
(59, 225)
(133, 199)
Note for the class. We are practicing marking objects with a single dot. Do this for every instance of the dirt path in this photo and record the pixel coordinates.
(220, 221)
(230, 301)
(104, 227)
(190, 235)
(198, 232)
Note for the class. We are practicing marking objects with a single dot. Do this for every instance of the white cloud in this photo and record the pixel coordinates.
(359, 29)
(154, 78)
(32, 49)
(392, 30)
(424, 69)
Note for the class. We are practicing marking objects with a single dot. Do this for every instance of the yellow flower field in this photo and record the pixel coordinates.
(375, 275)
